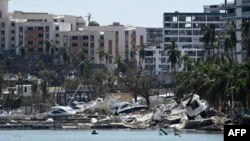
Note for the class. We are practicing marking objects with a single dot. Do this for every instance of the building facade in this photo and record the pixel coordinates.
(125, 38)
(237, 11)
(4, 25)
(115, 41)
(185, 29)
(154, 36)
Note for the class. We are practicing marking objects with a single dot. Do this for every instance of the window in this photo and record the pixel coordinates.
(30, 42)
(30, 28)
(40, 35)
(57, 28)
(47, 28)
(85, 44)
(20, 29)
(40, 28)
(12, 24)
(74, 37)
(47, 36)
(57, 35)
(85, 37)
(92, 38)
(2, 45)
(62, 20)
(12, 31)
(92, 45)
(149, 53)
(163, 60)
(65, 38)
(12, 38)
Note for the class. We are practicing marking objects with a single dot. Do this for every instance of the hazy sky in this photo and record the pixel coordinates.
(128, 12)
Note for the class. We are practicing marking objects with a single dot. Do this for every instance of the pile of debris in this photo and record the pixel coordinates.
(190, 113)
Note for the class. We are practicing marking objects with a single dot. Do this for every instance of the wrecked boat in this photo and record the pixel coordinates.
(62, 111)
(194, 106)
(125, 107)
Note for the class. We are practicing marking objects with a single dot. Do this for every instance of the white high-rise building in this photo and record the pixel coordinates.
(185, 29)
(237, 11)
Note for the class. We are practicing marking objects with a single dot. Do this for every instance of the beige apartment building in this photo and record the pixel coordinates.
(124, 38)
(116, 41)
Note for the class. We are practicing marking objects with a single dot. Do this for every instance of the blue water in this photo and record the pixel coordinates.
(105, 135)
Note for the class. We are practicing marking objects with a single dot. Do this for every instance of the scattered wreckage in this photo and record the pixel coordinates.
(190, 113)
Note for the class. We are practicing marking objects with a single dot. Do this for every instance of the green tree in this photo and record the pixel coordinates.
(34, 88)
(93, 23)
(173, 54)
(65, 55)
(245, 34)
(231, 40)
(185, 60)
(208, 38)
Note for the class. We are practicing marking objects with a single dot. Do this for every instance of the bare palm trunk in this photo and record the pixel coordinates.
(235, 53)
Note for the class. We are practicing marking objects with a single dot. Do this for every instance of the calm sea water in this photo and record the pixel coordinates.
(106, 135)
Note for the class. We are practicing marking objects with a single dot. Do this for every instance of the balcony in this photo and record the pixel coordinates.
(231, 4)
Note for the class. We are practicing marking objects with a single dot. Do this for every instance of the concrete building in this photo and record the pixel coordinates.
(116, 41)
(30, 29)
(154, 36)
(125, 38)
(4, 24)
(185, 29)
(156, 60)
(32, 35)
(211, 8)
(237, 11)
(77, 23)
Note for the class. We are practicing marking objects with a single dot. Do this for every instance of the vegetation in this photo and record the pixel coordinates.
(94, 23)
(219, 79)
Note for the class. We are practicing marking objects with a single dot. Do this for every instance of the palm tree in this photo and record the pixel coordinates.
(65, 55)
(8, 61)
(173, 54)
(83, 55)
(1, 85)
(50, 47)
(85, 68)
(34, 88)
(231, 40)
(89, 17)
(185, 60)
(2, 56)
(245, 34)
(101, 53)
(208, 37)
(22, 52)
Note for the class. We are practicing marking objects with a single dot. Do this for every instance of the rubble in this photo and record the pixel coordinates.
(190, 113)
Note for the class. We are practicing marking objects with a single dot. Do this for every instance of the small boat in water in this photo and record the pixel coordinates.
(94, 132)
